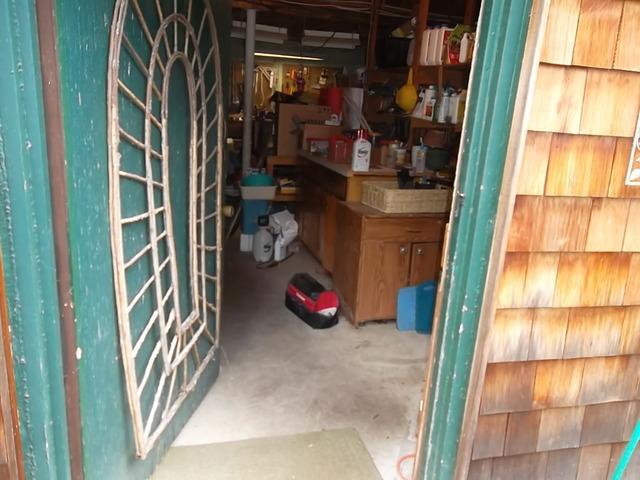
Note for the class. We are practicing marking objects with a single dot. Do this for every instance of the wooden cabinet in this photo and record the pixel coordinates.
(317, 223)
(312, 218)
(384, 269)
(380, 253)
(425, 262)
(323, 185)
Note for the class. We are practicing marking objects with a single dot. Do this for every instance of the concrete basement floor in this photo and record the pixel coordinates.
(280, 377)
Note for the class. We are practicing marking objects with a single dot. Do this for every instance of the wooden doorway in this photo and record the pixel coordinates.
(10, 446)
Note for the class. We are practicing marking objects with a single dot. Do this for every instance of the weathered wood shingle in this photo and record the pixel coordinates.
(560, 428)
(604, 423)
(508, 387)
(558, 383)
(490, 434)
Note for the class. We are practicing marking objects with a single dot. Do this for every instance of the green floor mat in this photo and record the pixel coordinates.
(332, 454)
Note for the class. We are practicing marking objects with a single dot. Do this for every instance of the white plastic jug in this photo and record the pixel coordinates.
(263, 241)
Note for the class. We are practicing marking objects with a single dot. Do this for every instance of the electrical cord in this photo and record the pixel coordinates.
(313, 50)
(399, 463)
(363, 7)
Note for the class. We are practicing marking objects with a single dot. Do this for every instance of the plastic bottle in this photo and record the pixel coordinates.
(456, 108)
(410, 52)
(432, 46)
(418, 110)
(263, 241)
(443, 108)
(430, 95)
(424, 47)
(453, 107)
(361, 153)
(390, 159)
(466, 47)
(418, 156)
(436, 47)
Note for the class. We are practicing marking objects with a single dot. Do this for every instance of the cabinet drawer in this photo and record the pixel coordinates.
(405, 229)
(330, 181)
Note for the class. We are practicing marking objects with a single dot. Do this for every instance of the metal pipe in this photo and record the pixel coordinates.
(249, 65)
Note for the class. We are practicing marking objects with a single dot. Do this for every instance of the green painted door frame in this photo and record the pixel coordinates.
(493, 88)
(28, 248)
(28, 245)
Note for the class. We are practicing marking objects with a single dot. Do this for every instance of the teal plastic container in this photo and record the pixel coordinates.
(258, 180)
(415, 307)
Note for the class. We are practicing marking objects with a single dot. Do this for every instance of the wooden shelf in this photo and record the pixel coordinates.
(451, 66)
(405, 70)
(296, 197)
(439, 74)
(426, 124)
(458, 74)
(421, 123)
(398, 70)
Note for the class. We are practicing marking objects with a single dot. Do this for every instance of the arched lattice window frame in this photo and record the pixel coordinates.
(177, 347)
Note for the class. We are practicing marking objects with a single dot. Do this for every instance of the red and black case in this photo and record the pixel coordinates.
(310, 301)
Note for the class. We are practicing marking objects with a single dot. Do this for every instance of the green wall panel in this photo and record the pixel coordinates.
(83, 41)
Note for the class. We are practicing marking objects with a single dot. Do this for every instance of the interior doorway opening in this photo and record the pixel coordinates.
(278, 375)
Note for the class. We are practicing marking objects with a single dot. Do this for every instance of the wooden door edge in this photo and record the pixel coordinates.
(506, 202)
(54, 131)
(15, 456)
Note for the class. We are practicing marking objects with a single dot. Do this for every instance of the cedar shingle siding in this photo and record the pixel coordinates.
(561, 391)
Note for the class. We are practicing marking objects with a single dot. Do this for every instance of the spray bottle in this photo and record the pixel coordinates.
(361, 153)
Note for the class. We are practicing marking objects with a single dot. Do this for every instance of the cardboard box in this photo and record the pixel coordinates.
(318, 131)
(287, 133)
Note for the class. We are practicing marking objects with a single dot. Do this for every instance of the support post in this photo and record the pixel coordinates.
(249, 65)
(421, 25)
(471, 12)
(371, 40)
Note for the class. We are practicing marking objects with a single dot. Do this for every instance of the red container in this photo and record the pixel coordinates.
(332, 97)
(340, 149)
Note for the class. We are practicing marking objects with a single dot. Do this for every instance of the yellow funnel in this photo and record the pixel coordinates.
(407, 95)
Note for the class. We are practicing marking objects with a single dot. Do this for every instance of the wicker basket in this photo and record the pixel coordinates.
(388, 198)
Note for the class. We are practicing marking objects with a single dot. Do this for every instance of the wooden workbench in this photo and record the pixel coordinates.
(324, 184)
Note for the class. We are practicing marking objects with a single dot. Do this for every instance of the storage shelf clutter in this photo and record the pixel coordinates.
(375, 148)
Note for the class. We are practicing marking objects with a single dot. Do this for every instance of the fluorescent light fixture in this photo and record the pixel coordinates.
(264, 33)
(290, 57)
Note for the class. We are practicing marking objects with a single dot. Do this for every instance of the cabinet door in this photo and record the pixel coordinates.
(313, 219)
(329, 234)
(384, 270)
(425, 262)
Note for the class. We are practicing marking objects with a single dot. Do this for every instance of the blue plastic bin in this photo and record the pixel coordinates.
(251, 210)
(415, 307)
